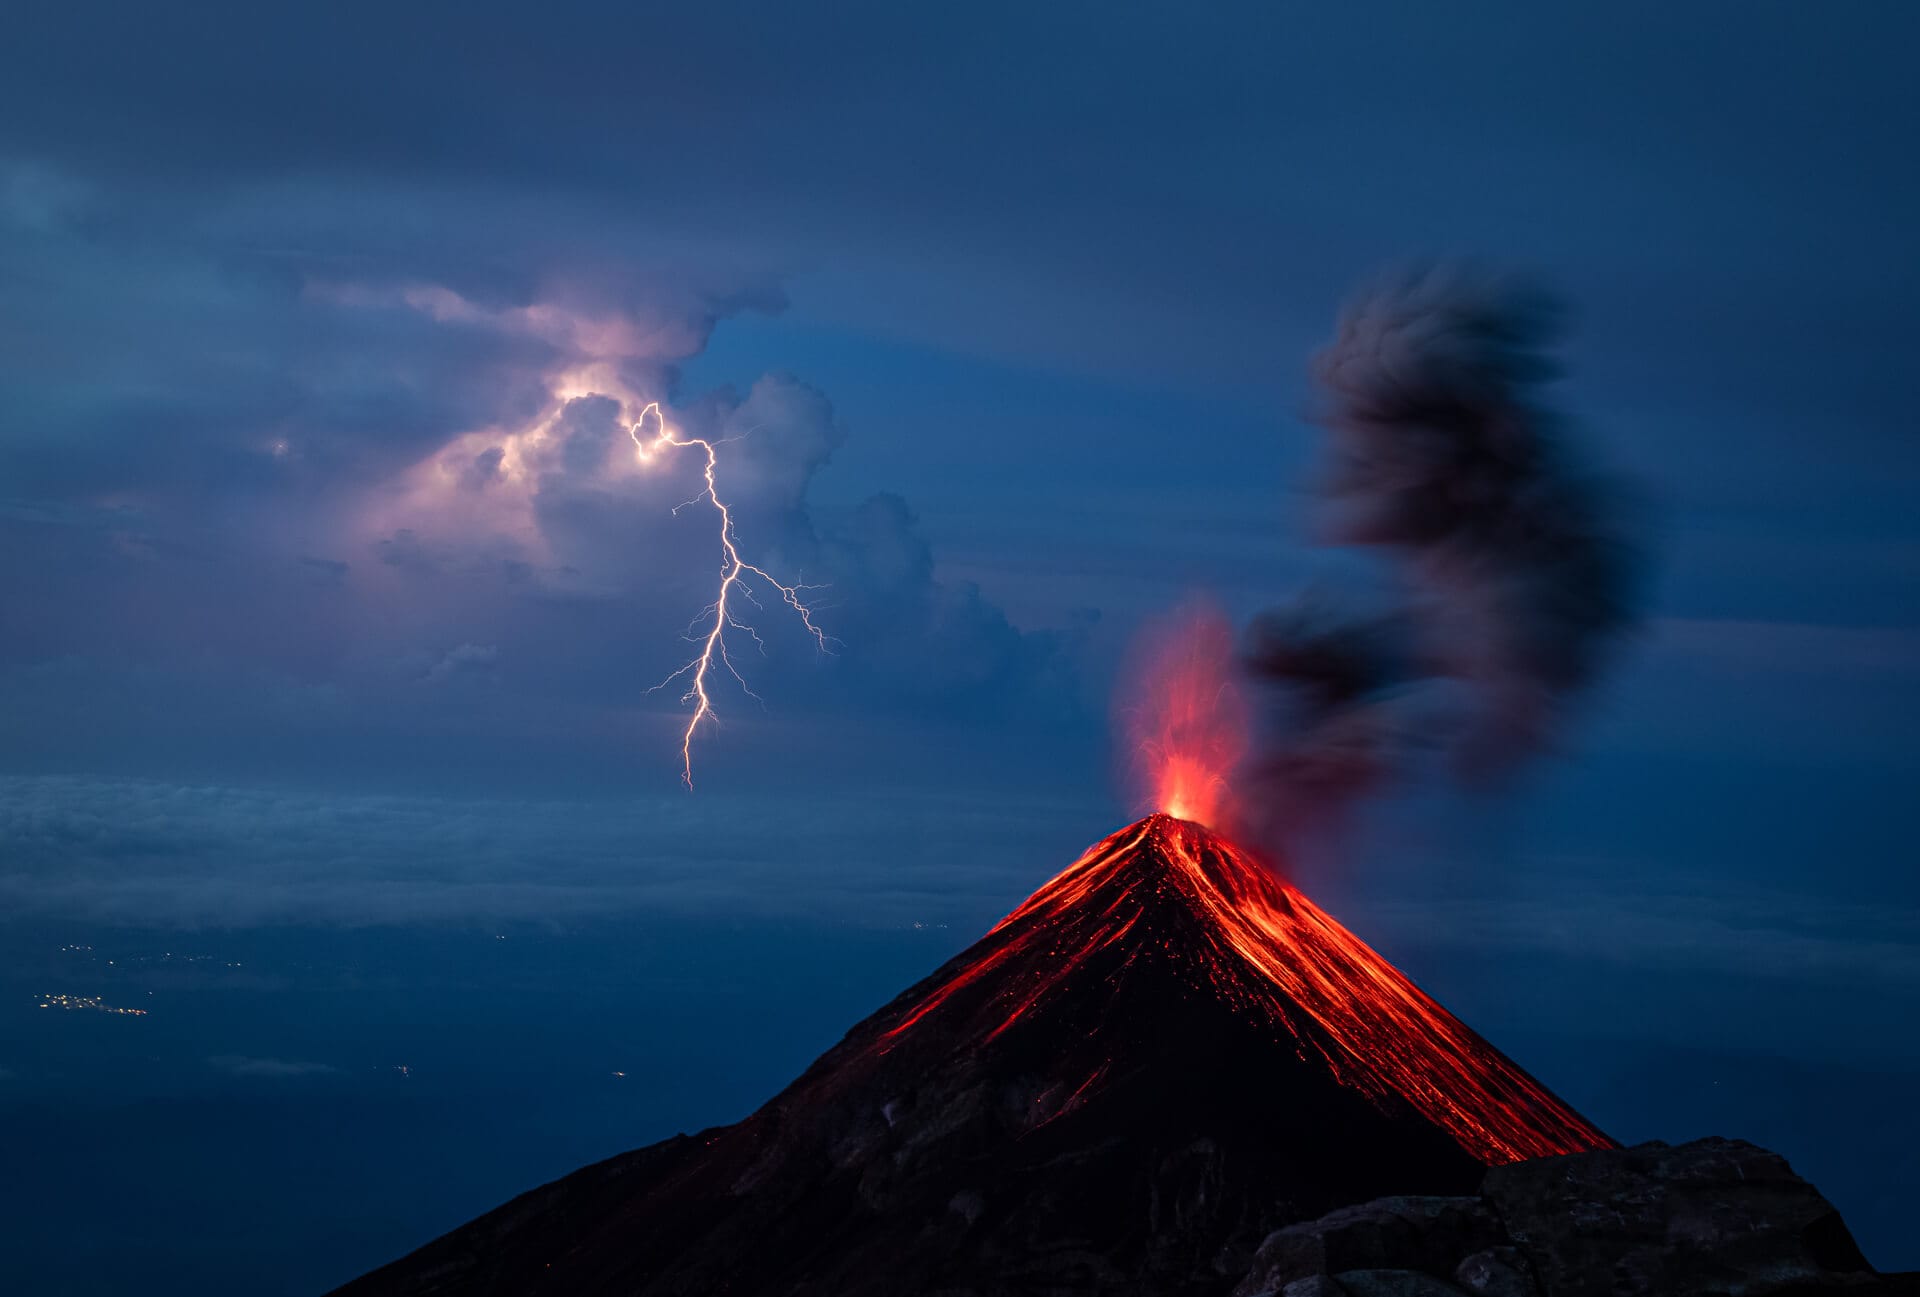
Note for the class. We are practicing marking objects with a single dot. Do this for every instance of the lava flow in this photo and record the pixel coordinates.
(1159, 1059)
(1170, 910)
(1169, 890)
(733, 571)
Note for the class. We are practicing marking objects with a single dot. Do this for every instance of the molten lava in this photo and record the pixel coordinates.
(1266, 948)
(1188, 736)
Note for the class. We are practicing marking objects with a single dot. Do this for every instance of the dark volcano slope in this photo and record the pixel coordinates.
(1160, 1057)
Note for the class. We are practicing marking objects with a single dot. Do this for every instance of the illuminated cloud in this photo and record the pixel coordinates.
(333, 468)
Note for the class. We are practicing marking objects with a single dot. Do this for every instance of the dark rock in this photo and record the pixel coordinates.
(1318, 1285)
(1430, 1234)
(1497, 1272)
(1716, 1216)
(1393, 1283)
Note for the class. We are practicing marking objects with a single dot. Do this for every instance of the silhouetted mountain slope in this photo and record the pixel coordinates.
(1159, 1058)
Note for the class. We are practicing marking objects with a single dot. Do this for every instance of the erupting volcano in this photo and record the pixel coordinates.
(1161, 1056)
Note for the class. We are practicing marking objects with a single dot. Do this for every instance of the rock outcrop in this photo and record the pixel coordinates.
(1714, 1218)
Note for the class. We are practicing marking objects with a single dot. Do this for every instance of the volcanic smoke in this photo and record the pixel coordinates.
(1517, 579)
(1516, 572)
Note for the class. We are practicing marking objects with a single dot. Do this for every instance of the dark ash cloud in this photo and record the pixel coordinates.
(1517, 575)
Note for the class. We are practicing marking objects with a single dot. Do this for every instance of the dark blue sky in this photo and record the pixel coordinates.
(1017, 304)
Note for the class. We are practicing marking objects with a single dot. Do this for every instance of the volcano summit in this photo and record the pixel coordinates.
(1159, 1058)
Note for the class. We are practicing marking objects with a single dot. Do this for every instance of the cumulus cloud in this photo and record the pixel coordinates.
(464, 662)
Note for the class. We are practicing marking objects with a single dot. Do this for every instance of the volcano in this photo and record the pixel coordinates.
(1162, 1055)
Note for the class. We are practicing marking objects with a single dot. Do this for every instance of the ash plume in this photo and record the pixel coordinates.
(1515, 569)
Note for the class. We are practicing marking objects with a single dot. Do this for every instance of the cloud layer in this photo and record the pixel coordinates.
(140, 852)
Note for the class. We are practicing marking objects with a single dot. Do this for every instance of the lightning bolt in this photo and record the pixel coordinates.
(718, 616)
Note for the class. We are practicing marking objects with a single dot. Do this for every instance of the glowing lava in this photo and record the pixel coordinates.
(719, 614)
(1186, 740)
(1166, 892)
(1159, 1059)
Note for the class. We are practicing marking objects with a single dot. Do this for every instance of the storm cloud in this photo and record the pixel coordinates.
(385, 471)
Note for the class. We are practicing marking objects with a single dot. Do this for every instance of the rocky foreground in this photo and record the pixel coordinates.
(1717, 1216)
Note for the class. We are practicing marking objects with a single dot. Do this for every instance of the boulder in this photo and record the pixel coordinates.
(1318, 1285)
(1431, 1235)
(1497, 1272)
(1714, 1218)
(1717, 1216)
(1393, 1283)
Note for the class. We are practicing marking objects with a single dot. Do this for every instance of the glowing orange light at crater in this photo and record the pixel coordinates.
(1166, 887)
(1182, 716)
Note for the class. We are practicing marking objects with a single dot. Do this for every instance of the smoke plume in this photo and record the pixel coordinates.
(1515, 572)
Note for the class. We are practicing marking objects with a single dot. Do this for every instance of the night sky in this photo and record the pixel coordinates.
(325, 732)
